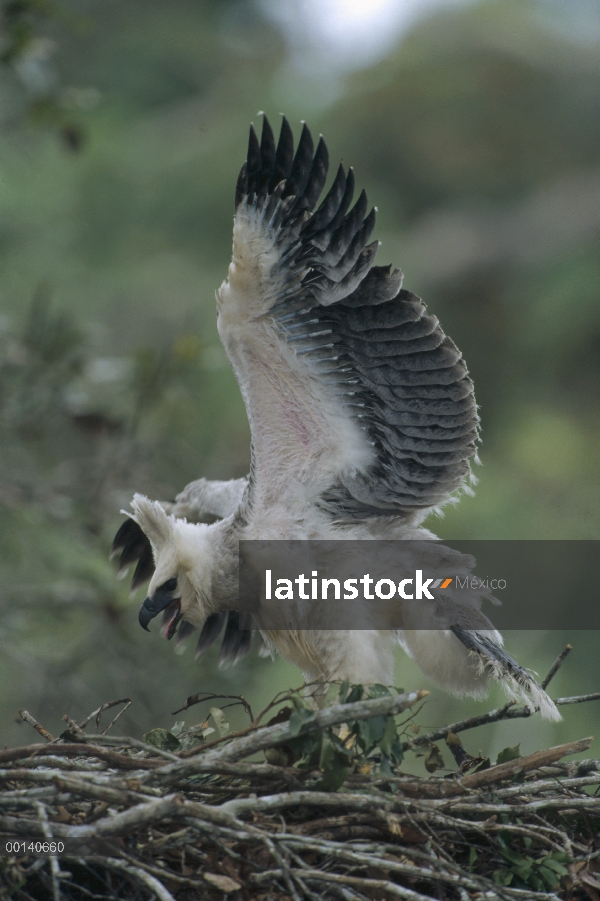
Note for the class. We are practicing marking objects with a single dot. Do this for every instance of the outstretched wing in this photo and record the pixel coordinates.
(199, 501)
(357, 401)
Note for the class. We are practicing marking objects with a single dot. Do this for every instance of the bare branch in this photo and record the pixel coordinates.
(202, 697)
(557, 665)
(97, 714)
(28, 718)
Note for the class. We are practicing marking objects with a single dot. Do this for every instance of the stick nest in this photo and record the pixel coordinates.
(329, 813)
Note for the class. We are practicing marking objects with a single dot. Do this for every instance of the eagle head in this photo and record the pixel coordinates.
(183, 565)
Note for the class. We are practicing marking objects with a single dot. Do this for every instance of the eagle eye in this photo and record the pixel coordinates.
(169, 585)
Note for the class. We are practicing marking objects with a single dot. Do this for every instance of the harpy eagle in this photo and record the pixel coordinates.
(363, 421)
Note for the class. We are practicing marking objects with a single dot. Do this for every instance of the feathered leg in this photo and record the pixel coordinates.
(516, 681)
(462, 661)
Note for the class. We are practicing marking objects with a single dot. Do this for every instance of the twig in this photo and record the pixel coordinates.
(524, 764)
(374, 885)
(120, 713)
(280, 801)
(507, 712)
(557, 665)
(54, 866)
(280, 698)
(98, 713)
(203, 697)
(28, 718)
(79, 750)
(482, 719)
(156, 871)
(126, 741)
(537, 786)
(74, 729)
(149, 881)
(577, 699)
(334, 850)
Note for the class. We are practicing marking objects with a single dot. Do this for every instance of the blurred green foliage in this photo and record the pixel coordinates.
(123, 129)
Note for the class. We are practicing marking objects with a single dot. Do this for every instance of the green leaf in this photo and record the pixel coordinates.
(397, 754)
(550, 878)
(472, 856)
(162, 739)
(523, 867)
(384, 767)
(379, 691)
(537, 883)
(517, 859)
(433, 759)
(502, 877)
(192, 737)
(333, 779)
(555, 865)
(386, 741)
(343, 691)
(299, 718)
(178, 728)
(370, 732)
(356, 694)
(509, 754)
(310, 748)
(221, 721)
(326, 752)
(299, 703)
(333, 765)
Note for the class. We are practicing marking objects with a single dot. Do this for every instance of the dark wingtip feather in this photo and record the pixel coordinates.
(253, 161)
(236, 640)
(144, 569)
(132, 553)
(210, 632)
(183, 633)
(301, 175)
(369, 223)
(267, 157)
(301, 166)
(241, 188)
(134, 546)
(318, 175)
(284, 155)
(330, 205)
(343, 206)
(128, 531)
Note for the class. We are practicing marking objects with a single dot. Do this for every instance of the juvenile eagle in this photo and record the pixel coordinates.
(363, 420)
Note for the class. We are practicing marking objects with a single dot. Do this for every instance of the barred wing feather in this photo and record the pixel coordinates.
(356, 399)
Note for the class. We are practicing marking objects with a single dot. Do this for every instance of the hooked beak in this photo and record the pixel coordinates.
(152, 606)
